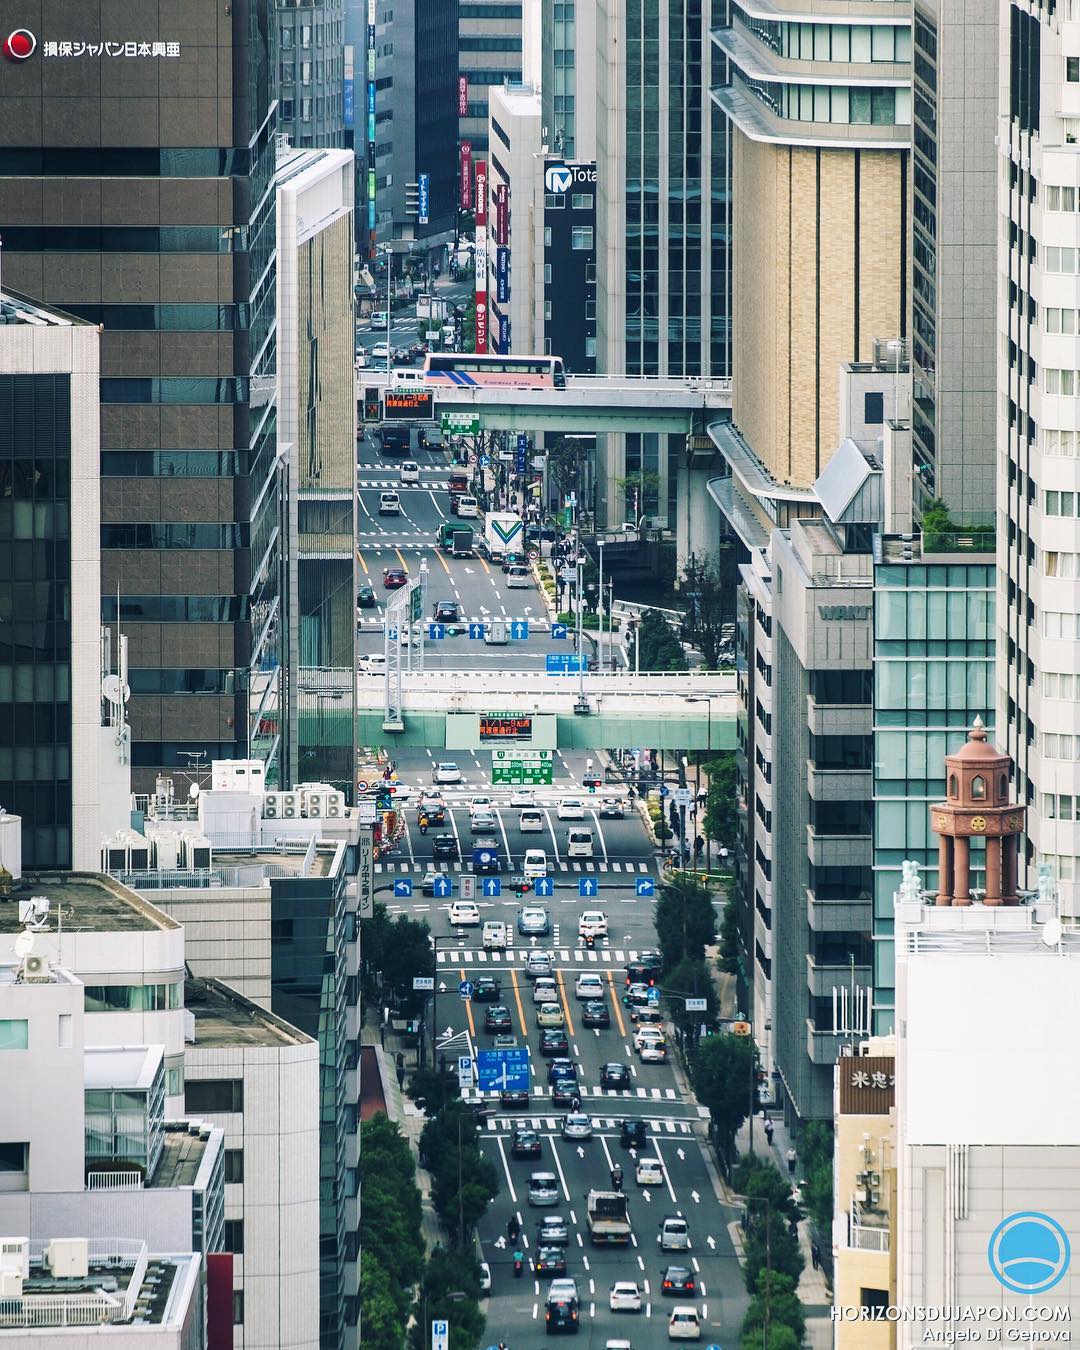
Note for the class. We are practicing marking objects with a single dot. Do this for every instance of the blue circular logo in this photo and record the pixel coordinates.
(1029, 1252)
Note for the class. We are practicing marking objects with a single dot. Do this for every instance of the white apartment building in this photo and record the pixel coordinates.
(1038, 481)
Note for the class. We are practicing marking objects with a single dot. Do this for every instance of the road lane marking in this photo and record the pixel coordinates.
(664, 1169)
(468, 1010)
(363, 564)
(517, 1000)
(401, 558)
(484, 564)
(445, 567)
(600, 834)
(615, 1004)
(506, 1168)
(565, 1002)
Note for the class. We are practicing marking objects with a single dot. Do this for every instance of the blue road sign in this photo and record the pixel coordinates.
(558, 630)
(519, 629)
(476, 630)
(402, 886)
(485, 460)
(653, 995)
(443, 887)
(644, 886)
(435, 631)
(664, 790)
(544, 886)
(503, 1070)
(562, 663)
(391, 632)
(587, 886)
(491, 886)
(465, 989)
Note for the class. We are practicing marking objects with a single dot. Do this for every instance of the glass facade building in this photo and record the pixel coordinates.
(933, 675)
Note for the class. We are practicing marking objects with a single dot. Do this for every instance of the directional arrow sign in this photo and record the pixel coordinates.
(465, 1071)
(476, 630)
(443, 887)
(664, 790)
(653, 996)
(391, 632)
(506, 1070)
(544, 886)
(587, 886)
(644, 886)
(492, 886)
(519, 629)
(465, 989)
(558, 630)
(436, 631)
(402, 886)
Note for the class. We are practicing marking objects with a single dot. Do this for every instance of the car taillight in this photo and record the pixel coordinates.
(667, 1284)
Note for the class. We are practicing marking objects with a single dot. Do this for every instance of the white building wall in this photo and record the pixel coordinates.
(518, 114)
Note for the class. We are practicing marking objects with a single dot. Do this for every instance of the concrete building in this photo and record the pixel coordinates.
(662, 226)
(256, 1078)
(489, 55)
(316, 436)
(864, 1190)
(135, 192)
(50, 657)
(1038, 536)
(953, 256)
(983, 1181)
(311, 72)
(567, 77)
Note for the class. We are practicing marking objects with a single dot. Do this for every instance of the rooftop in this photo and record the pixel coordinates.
(224, 1017)
(121, 1066)
(88, 903)
(18, 309)
(185, 1147)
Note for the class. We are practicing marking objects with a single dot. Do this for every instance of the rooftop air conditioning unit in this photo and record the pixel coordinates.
(115, 854)
(15, 1255)
(35, 969)
(11, 1284)
(198, 855)
(138, 851)
(290, 805)
(875, 1199)
(271, 808)
(166, 852)
(335, 805)
(314, 803)
(68, 1258)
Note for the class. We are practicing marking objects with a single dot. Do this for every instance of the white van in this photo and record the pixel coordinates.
(579, 843)
(517, 578)
(493, 935)
(531, 821)
(535, 863)
(466, 508)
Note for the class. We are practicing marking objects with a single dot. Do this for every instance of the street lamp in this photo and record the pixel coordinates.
(600, 607)
(388, 253)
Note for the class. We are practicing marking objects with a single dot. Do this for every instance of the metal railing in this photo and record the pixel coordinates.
(114, 1181)
(86, 1308)
(866, 1239)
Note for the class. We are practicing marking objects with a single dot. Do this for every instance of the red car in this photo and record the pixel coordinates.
(393, 577)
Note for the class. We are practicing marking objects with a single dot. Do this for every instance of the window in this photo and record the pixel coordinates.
(238, 1307)
(234, 1164)
(214, 1094)
(590, 346)
(1072, 69)
(1063, 382)
(174, 1080)
(1060, 198)
(65, 1036)
(13, 1033)
(1064, 565)
(953, 786)
(234, 1236)
(978, 787)
(547, 274)
(14, 1166)
(133, 997)
(874, 409)
(547, 236)
(547, 310)
(581, 237)
(874, 1298)
(581, 201)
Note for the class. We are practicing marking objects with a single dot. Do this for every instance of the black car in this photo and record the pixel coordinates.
(562, 1067)
(513, 560)
(483, 1109)
(678, 1282)
(485, 989)
(365, 598)
(436, 815)
(446, 611)
(550, 1261)
(562, 1316)
(616, 1076)
(645, 969)
(498, 1019)
(524, 1144)
(563, 1091)
(633, 1134)
(595, 1014)
(553, 1042)
(445, 846)
(510, 1100)
(534, 533)
(552, 1231)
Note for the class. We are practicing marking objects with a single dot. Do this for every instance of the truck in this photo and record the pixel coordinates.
(394, 440)
(456, 539)
(504, 532)
(428, 307)
(607, 1218)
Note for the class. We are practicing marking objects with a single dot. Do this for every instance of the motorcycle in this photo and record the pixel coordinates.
(513, 1230)
(423, 824)
(616, 1178)
(519, 1264)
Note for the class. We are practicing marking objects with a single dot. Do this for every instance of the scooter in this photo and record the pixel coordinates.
(616, 1178)
(519, 1265)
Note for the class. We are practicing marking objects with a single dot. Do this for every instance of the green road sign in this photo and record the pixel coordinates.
(461, 424)
(522, 768)
(416, 603)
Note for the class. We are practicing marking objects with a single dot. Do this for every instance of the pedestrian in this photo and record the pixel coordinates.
(791, 1156)
(815, 1254)
(699, 846)
(770, 1130)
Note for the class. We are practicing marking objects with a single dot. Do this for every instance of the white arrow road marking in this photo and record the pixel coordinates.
(646, 1195)
(499, 1242)
(442, 990)
(695, 1197)
(711, 1241)
(681, 1154)
(580, 1151)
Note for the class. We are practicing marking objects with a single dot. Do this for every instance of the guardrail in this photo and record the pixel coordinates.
(82, 1309)
(114, 1181)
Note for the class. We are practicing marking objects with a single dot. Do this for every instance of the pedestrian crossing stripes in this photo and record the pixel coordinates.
(517, 955)
(542, 1090)
(418, 869)
(397, 484)
(659, 1125)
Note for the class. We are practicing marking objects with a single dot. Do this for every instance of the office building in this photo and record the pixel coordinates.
(953, 256)
(136, 192)
(1038, 535)
(316, 433)
(662, 223)
(567, 77)
(489, 55)
(986, 992)
(50, 578)
(414, 88)
(864, 1189)
(311, 72)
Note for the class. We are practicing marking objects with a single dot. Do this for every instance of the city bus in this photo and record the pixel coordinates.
(521, 372)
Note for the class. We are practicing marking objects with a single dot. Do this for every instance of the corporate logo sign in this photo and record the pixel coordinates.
(558, 179)
(1029, 1252)
(20, 44)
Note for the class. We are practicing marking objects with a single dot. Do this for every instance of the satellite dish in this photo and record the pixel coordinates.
(1051, 933)
(24, 945)
(193, 790)
(113, 691)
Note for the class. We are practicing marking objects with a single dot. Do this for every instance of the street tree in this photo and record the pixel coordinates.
(384, 1326)
(690, 979)
(658, 647)
(721, 1070)
(775, 1303)
(709, 585)
(450, 1291)
(463, 1181)
(721, 817)
(395, 952)
(390, 1214)
(685, 921)
(564, 461)
(639, 491)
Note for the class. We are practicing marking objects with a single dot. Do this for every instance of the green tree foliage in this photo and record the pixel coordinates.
(721, 1072)
(463, 1181)
(781, 1337)
(390, 1234)
(816, 1152)
(709, 585)
(432, 1090)
(729, 938)
(658, 647)
(775, 1302)
(449, 1274)
(721, 818)
(693, 978)
(685, 921)
(395, 952)
(383, 1324)
(769, 1213)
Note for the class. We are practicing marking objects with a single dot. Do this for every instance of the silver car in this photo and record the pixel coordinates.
(543, 1188)
(576, 1125)
(533, 919)
(538, 963)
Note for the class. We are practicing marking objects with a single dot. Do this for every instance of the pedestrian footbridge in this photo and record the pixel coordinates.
(676, 711)
(612, 402)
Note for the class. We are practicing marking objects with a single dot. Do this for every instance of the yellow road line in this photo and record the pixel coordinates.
(517, 1000)
(615, 1004)
(468, 1009)
(484, 565)
(565, 1004)
(363, 564)
(401, 560)
(445, 568)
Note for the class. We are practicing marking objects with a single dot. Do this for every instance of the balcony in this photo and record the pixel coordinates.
(838, 719)
(867, 1238)
(838, 850)
(843, 915)
(822, 1047)
(821, 979)
(837, 785)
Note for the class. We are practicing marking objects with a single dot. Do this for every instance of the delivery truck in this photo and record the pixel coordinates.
(456, 539)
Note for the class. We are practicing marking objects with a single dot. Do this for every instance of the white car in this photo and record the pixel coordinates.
(480, 804)
(493, 935)
(485, 1278)
(464, 914)
(538, 963)
(649, 1172)
(570, 808)
(522, 797)
(535, 863)
(643, 1035)
(389, 504)
(379, 318)
(563, 1291)
(593, 923)
(589, 987)
(482, 822)
(544, 990)
(380, 351)
(576, 1125)
(674, 1234)
(446, 773)
(531, 821)
(684, 1324)
(625, 1296)
(375, 664)
(518, 579)
(409, 472)
(653, 1052)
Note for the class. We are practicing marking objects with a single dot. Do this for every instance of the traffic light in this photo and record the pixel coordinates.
(522, 887)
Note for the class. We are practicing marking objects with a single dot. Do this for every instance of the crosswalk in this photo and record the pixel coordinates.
(588, 1093)
(418, 869)
(396, 483)
(656, 1125)
(511, 956)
